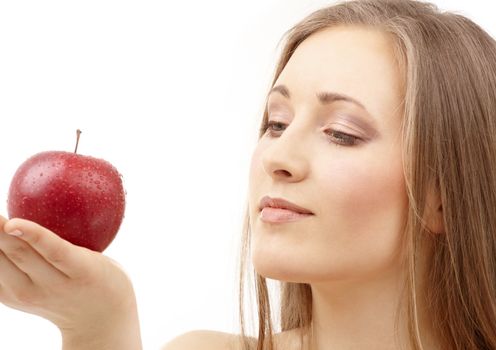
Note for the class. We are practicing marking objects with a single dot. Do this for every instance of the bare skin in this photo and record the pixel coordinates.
(342, 162)
(84, 293)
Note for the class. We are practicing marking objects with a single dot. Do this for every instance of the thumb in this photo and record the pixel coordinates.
(2, 222)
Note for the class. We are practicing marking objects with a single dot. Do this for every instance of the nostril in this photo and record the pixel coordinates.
(282, 172)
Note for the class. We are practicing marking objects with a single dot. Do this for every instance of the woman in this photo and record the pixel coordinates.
(379, 129)
(371, 198)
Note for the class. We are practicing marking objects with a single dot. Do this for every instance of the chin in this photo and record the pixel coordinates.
(282, 268)
(299, 267)
(280, 258)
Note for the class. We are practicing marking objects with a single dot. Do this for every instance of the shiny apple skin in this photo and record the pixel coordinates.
(80, 198)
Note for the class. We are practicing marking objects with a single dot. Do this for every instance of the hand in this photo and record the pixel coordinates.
(84, 293)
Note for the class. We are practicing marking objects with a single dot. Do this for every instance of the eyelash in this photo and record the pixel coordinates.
(342, 139)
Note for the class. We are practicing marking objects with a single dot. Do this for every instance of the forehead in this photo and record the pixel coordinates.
(354, 61)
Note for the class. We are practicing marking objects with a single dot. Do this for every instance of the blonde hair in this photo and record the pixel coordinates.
(449, 147)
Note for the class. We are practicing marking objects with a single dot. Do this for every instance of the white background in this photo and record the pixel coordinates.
(171, 93)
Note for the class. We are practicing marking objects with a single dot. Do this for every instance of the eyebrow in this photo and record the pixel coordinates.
(324, 96)
(330, 97)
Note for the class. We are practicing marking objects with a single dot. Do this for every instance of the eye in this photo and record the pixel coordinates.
(342, 138)
(272, 127)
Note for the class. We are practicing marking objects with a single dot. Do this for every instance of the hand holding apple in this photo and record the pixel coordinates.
(84, 293)
(80, 198)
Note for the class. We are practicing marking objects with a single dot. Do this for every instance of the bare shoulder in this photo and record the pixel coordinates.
(212, 340)
(290, 339)
(205, 340)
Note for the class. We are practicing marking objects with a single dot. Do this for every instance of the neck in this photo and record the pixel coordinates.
(360, 315)
(368, 314)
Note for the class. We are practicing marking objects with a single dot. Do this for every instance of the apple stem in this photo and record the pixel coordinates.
(78, 132)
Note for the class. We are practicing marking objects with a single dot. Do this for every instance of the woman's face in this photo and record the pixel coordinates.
(339, 159)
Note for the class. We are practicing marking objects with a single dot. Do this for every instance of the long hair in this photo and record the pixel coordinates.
(448, 146)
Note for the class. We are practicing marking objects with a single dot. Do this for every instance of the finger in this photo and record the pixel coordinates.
(62, 254)
(2, 222)
(12, 280)
(29, 261)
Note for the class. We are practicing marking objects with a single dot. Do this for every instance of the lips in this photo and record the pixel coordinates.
(282, 204)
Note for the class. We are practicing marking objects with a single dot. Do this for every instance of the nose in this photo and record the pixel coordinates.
(286, 158)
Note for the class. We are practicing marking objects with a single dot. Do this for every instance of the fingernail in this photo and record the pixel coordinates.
(15, 233)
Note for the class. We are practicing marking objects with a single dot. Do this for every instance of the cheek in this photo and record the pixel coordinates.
(256, 177)
(361, 190)
(255, 162)
(363, 211)
(357, 231)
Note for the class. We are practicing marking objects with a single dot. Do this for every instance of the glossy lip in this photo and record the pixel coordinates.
(267, 201)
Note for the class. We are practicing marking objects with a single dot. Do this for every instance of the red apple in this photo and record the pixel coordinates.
(78, 197)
